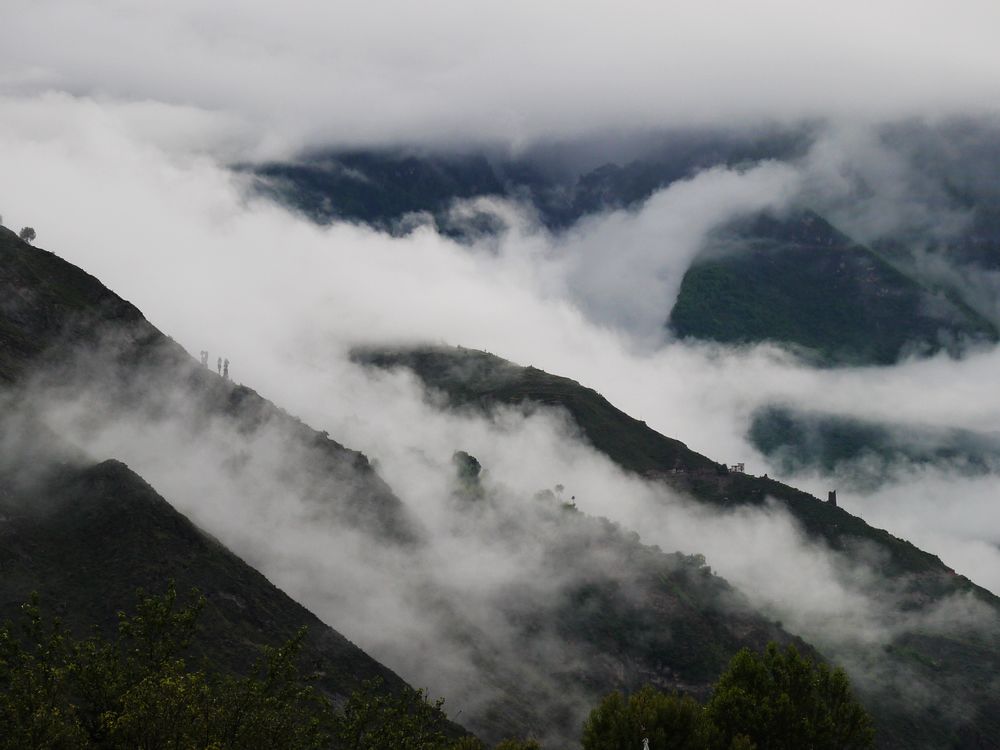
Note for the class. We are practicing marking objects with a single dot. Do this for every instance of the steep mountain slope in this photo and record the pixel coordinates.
(799, 281)
(596, 609)
(86, 536)
(916, 586)
(61, 325)
(472, 377)
(579, 626)
(480, 380)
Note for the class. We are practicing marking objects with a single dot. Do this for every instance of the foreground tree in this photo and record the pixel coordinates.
(777, 700)
(669, 721)
(136, 691)
(783, 701)
(373, 719)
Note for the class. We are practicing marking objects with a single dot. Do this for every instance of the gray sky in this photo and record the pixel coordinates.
(305, 71)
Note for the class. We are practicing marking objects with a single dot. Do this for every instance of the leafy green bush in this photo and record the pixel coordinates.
(777, 700)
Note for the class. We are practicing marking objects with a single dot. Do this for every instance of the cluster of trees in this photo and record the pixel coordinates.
(136, 690)
(27, 233)
(777, 700)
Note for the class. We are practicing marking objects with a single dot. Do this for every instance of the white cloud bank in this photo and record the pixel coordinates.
(307, 72)
(283, 298)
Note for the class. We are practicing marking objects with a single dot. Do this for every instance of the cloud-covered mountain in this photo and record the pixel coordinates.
(891, 575)
(691, 210)
(587, 607)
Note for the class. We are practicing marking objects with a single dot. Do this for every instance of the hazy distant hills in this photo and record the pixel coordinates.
(795, 280)
(866, 453)
(381, 187)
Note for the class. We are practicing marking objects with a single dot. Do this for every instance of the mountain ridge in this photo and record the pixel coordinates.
(912, 578)
(591, 612)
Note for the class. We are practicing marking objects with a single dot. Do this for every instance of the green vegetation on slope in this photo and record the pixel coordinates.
(86, 537)
(799, 281)
(777, 699)
(138, 689)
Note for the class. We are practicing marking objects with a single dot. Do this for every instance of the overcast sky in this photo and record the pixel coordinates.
(307, 71)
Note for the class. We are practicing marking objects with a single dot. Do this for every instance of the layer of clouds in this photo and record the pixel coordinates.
(309, 72)
(283, 298)
(625, 268)
(439, 613)
(164, 225)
